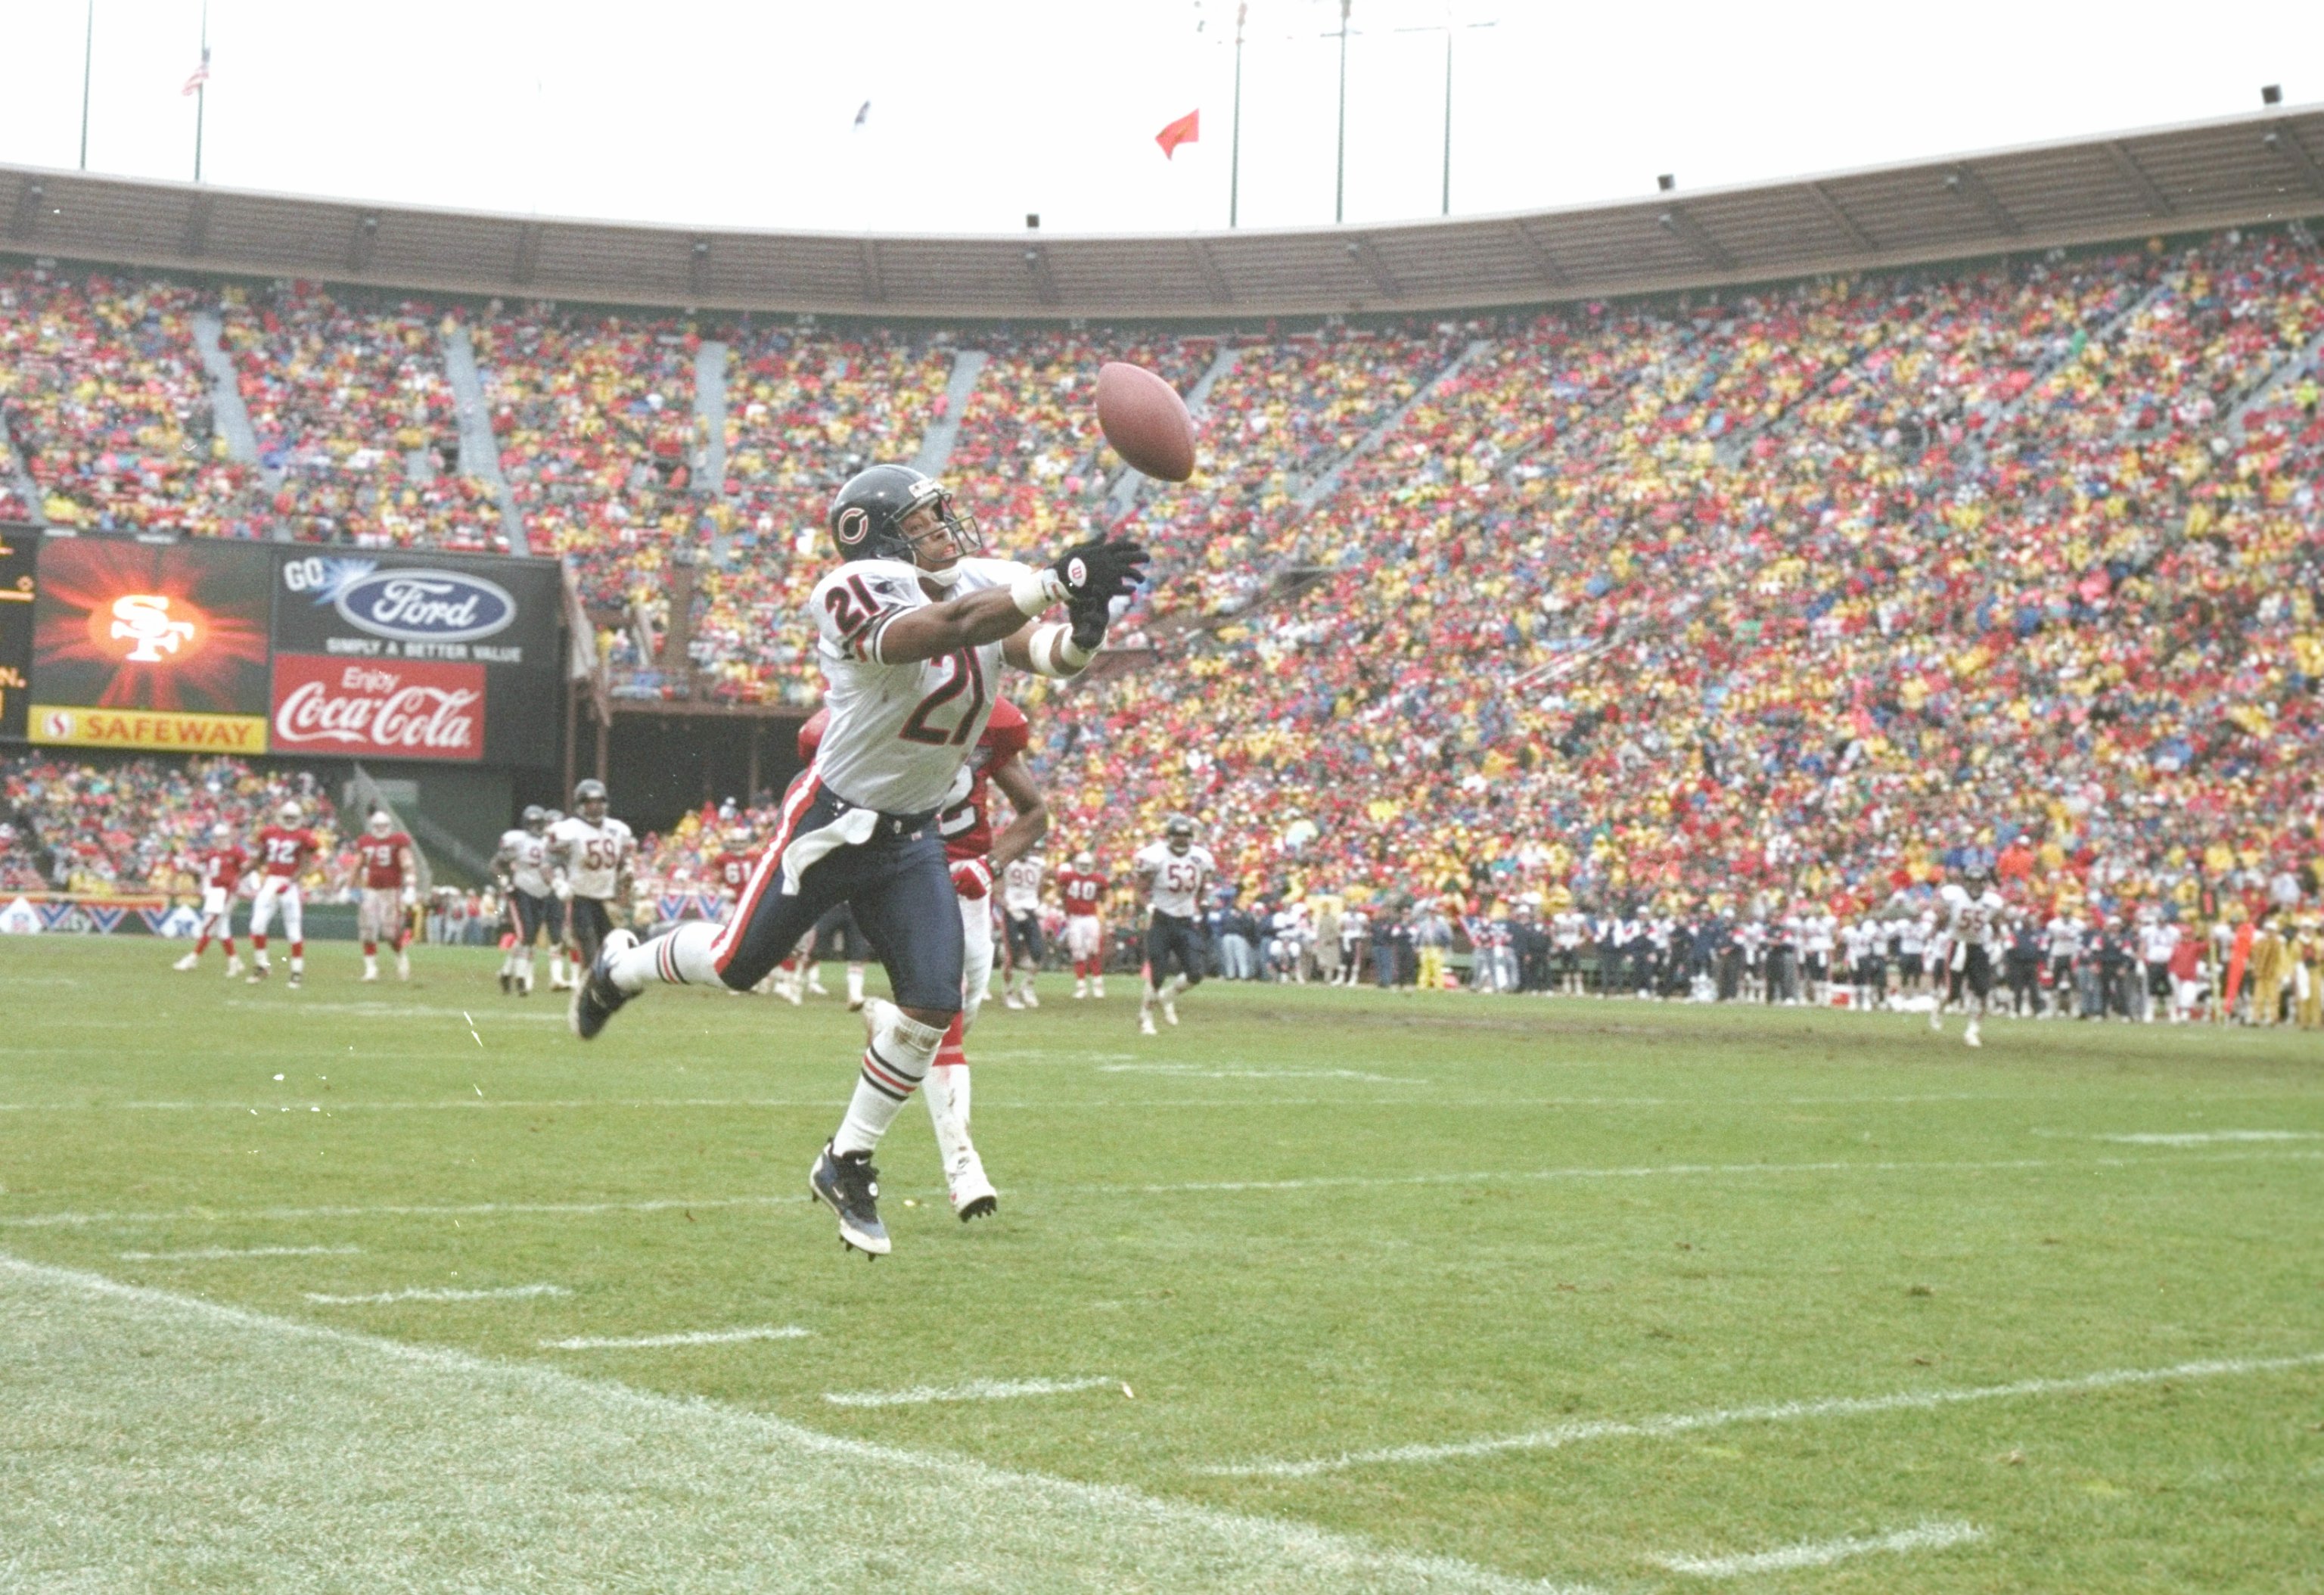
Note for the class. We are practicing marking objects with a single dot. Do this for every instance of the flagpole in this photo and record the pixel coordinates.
(1340, 178)
(1234, 155)
(202, 91)
(88, 54)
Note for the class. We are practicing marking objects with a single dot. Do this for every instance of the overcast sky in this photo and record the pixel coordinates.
(743, 114)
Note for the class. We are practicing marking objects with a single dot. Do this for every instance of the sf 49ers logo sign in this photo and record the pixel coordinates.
(398, 709)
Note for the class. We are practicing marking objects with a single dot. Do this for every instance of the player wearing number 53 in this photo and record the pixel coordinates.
(913, 626)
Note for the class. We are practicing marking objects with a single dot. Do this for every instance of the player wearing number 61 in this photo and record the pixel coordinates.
(912, 628)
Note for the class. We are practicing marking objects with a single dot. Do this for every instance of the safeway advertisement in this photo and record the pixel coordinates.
(378, 708)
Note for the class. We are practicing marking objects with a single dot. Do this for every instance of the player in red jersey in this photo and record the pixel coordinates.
(283, 850)
(220, 867)
(390, 885)
(975, 854)
(730, 870)
(1083, 889)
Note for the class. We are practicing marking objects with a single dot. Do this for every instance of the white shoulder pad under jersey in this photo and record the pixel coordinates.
(592, 856)
(528, 857)
(898, 733)
(1178, 877)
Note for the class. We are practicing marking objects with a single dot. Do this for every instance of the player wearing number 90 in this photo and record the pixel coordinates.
(913, 626)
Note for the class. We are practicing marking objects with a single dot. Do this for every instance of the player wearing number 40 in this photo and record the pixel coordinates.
(912, 629)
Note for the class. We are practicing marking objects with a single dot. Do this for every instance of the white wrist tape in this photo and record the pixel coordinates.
(1055, 653)
(1036, 591)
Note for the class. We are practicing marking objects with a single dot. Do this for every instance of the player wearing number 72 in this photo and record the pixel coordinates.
(912, 628)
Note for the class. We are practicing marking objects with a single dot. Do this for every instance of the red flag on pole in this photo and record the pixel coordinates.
(201, 76)
(1187, 130)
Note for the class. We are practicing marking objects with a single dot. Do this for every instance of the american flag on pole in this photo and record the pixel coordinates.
(201, 76)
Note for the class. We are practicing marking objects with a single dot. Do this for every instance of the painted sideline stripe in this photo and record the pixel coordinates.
(433, 1294)
(204, 1254)
(974, 1390)
(1780, 1412)
(372, 1435)
(41, 1221)
(699, 1337)
(1921, 1536)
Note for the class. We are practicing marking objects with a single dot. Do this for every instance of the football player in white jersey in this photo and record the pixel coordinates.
(521, 869)
(912, 629)
(1973, 912)
(1021, 912)
(1174, 871)
(589, 854)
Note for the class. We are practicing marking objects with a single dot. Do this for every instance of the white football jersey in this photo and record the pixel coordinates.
(1020, 885)
(1177, 878)
(1972, 921)
(591, 856)
(898, 734)
(528, 856)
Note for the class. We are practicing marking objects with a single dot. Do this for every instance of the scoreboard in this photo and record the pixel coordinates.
(213, 646)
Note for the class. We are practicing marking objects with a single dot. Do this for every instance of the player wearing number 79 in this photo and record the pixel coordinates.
(912, 628)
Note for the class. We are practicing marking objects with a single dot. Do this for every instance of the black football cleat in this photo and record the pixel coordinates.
(850, 1186)
(508, 983)
(595, 998)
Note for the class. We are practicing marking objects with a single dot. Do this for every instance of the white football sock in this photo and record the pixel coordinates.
(855, 982)
(947, 1090)
(900, 1052)
(679, 957)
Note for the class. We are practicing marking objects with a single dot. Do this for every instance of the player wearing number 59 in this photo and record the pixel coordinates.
(912, 628)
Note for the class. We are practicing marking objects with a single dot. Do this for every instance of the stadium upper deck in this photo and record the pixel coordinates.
(2236, 171)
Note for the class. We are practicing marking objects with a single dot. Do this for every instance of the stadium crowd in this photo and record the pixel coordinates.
(104, 396)
(137, 828)
(354, 418)
(1657, 611)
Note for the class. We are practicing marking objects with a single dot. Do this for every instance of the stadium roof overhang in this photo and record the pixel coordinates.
(2237, 171)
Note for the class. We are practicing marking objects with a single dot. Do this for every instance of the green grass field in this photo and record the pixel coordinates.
(1320, 1290)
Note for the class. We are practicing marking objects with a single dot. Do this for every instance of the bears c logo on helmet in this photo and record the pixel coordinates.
(853, 524)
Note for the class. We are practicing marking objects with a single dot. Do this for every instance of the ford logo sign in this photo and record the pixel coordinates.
(426, 605)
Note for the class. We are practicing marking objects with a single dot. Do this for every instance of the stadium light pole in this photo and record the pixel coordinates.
(1339, 178)
(1449, 28)
(88, 54)
(1234, 139)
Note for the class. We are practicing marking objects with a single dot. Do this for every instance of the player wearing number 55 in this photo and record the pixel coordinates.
(912, 628)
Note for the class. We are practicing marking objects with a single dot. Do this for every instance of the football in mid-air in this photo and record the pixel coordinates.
(1146, 421)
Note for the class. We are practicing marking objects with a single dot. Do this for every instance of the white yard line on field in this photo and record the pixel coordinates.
(2205, 1137)
(1921, 1536)
(38, 1221)
(974, 1390)
(206, 1254)
(694, 1337)
(428, 1293)
(452, 1210)
(1682, 1170)
(131, 1460)
(1781, 1412)
(1197, 1072)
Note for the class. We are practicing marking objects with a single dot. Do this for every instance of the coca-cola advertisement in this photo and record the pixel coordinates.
(416, 616)
(378, 709)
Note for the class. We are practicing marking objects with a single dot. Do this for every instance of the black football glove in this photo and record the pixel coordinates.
(1089, 623)
(1095, 573)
